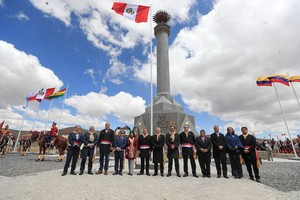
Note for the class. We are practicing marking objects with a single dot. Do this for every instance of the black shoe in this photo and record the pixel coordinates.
(239, 177)
(80, 173)
(162, 174)
(115, 173)
(169, 174)
(258, 180)
(148, 174)
(90, 173)
(195, 175)
(178, 175)
(251, 178)
(73, 173)
(203, 176)
(155, 174)
(64, 173)
(120, 173)
(208, 176)
(218, 176)
(225, 176)
(140, 174)
(185, 175)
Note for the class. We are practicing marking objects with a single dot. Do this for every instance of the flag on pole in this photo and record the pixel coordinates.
(30, 97)
(1, 125)
(263, 81)
(278, 78)
(57, 94)
(294, 79)
(44, 94)
(137, 13)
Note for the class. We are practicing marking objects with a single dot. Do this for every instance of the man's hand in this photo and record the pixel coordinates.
(246, 151)
(221, 147)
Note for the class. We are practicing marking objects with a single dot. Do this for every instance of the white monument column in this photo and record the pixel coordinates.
(162, 32)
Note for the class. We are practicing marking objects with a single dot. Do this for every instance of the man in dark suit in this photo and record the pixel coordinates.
(203, 145)
(158, 142)
(173, 142)
(106, 142)
(187, 140)
(90, 140)
(75, 139)
(219, 142)
(120, 146)
(249, 153)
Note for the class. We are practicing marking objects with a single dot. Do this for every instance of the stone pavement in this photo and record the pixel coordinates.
(51, 185)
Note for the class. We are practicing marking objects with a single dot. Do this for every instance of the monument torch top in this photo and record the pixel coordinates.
(161, 16)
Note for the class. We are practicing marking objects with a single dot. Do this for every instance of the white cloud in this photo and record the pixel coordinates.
(100, 105)
(21, 73)
(91, 73)
(22, 16)
(214, 64)
(1, 3)
(108, 30)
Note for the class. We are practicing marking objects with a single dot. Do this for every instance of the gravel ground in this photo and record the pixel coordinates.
(282, 176)
(13, 164)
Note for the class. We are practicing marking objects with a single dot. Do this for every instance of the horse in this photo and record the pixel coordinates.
(59, 142)
(27, 141)
(3, 142)
(10, 144)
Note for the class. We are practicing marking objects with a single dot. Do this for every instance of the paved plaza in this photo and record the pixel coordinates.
(51, 185)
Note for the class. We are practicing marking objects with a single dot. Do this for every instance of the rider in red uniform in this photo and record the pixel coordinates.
(53, 131)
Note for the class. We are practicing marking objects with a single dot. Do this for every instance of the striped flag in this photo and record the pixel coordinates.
(42, 94)
(137, 13)
(278, 78)
(57, 94)
(263, 81)
(294, 79)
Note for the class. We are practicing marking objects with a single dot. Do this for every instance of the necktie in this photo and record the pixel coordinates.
(203, 139)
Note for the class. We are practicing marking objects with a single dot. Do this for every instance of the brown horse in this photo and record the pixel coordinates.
(27, 140)
(3, 142)
(59, 142)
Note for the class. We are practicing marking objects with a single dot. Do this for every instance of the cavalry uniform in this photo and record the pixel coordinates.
(204, 158)
(145, 148)
(173, 142)
(90, 141)
(106, 141)
(218, 139)
(75, 140)
(187, 142)
(249, 142)
(158, 142)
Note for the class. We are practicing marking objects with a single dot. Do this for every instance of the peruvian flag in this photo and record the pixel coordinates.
(137, 13)
(43, 94)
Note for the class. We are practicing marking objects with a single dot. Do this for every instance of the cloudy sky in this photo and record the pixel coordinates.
(217, 50)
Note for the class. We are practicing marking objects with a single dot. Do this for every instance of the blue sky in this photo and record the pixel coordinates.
(217, 50)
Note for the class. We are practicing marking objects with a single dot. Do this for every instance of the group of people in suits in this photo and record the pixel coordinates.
(130, 147)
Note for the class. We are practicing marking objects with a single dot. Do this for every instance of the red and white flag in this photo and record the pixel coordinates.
(42, 94)
(1, 125)
(137, 13)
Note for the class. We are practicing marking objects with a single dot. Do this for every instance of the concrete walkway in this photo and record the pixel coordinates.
(51, 185)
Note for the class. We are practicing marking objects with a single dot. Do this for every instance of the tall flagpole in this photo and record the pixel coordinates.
(151, 79)
(294, 92)
(20, 129)
(287, 128)
(36, 116)
(62, 108)
(51, 103)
